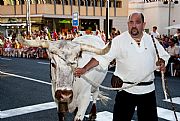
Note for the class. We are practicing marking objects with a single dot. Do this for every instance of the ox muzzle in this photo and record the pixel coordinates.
(64, 95)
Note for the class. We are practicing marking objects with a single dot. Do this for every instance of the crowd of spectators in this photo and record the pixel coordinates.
(172, 45)
(11, 47)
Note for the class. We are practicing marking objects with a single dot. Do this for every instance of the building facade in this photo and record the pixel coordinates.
(57, 14)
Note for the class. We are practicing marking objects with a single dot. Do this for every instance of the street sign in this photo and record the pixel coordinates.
(75, 19)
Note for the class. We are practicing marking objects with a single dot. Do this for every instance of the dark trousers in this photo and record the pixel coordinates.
(125, 104)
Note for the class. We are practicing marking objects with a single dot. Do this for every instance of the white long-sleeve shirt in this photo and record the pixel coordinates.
(133, 63)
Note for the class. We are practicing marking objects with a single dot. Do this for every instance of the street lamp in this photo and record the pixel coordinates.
(169, 12)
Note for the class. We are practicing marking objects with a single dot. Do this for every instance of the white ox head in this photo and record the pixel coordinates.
(63, 57)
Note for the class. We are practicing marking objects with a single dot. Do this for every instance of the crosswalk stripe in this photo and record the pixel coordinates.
(175, 100)
(5, 59)
(43, 63)
(27, 109)
(27, 78)
(167, 114)
(104, 116)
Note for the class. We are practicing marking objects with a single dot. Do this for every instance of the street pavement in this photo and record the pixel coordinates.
(25, 93)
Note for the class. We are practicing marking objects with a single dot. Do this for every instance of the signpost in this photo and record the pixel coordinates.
(75, 19)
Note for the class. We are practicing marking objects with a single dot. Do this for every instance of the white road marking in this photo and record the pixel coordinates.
(23, 77)
(27, 109)
(5, 59)
(104, 116)
(167, 114)
(175, 100)
(43, 63)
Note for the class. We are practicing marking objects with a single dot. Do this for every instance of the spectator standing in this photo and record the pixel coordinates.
(164, 42)
(177, 32)
(98, 33)
(118, 32)
(113, 33)
(154, 32)
(178, 39)
(8, 48)
(88, 31)
(103, 36)
(1, 46)
(173, 51)
(55, 35)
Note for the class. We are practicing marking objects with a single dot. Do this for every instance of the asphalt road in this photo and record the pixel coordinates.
(25, 93)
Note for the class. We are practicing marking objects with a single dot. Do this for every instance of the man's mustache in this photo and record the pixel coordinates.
(134, 29)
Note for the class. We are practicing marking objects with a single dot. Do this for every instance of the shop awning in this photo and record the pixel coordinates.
(176, 26)
(13, 24)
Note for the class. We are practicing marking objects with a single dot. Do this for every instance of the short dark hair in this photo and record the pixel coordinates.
(155, 27)
(114, 29)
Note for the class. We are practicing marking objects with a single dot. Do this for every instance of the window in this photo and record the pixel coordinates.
(58, 2)
(95, 2)
(21, 1)
(48, 2)
(65, 2)
(14, 2)
(82, 2)
(1, 2)
(74, 2)
(119, 4)
(103, 3)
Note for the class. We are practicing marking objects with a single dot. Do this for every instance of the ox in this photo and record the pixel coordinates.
(72, 93)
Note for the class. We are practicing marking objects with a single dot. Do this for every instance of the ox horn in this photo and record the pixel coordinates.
(98, 51)
(34, 43)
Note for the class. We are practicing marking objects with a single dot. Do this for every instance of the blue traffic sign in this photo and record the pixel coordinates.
(75, 19)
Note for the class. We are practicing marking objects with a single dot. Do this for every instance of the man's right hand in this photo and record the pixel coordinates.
(79, 71)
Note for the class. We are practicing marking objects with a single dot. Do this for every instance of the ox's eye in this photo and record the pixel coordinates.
(76, 58)
(53, 65)
(71, 63)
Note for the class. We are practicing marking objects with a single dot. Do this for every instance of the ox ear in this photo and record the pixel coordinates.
(34, 43)
(98, 51)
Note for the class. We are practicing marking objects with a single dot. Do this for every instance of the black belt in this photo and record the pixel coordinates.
(141, 83)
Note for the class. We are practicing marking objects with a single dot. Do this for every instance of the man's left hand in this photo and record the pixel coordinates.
(161, 64)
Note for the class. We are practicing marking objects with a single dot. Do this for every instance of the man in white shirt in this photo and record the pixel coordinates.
(154, 32)
(135, 61)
